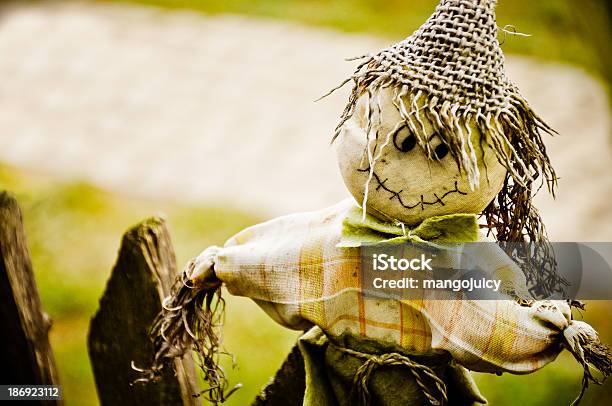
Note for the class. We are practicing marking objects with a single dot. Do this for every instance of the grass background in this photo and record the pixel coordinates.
(74, 229)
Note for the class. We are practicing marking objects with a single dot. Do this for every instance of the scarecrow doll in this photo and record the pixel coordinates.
(434, 137)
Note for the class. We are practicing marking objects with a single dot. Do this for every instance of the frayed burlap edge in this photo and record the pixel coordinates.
(192, 320)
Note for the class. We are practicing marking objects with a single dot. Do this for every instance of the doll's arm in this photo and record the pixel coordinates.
(200, 271)
(499, 335)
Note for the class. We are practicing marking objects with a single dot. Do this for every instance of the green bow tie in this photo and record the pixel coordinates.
(448, 229)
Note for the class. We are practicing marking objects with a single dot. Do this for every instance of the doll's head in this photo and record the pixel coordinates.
(433, 126)
(403, 169)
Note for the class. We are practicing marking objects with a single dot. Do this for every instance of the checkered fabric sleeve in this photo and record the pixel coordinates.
(292, 268)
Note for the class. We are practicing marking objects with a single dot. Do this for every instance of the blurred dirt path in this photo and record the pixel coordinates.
(220, 109)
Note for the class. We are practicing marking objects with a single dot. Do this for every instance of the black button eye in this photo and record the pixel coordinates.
(441, 151)
(407, 144)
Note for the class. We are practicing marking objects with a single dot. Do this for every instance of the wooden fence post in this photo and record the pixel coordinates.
(25, 353)
(118, 335)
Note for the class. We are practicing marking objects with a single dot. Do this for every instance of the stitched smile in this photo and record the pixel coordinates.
(381, 184)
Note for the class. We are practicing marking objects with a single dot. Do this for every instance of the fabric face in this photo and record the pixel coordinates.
(401, 181)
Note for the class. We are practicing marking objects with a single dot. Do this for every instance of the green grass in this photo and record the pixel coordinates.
(74, 232)
(561, 30)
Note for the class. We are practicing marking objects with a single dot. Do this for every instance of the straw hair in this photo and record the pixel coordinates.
(191, 319)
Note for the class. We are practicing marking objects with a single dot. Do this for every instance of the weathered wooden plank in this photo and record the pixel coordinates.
(25, 353)
(118, 335)
(288, 385)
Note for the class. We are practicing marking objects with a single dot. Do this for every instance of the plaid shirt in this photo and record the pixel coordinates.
(292, 268)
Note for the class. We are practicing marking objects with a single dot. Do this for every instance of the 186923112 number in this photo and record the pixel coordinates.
(30, 392)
